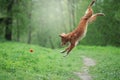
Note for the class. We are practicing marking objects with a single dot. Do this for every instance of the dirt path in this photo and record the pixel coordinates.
(84, 74)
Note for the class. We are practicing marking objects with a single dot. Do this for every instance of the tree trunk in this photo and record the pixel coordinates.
(51, 42)
(8, 29)
(8, 22)
(73, 5)
(29, 35)
(29, 26)
(18, 30)
(71, 14)
(62, 16)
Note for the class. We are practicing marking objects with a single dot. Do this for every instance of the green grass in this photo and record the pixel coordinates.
(17, 63)
(108, 62)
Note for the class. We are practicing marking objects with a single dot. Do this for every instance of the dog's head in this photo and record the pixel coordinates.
(64, 39)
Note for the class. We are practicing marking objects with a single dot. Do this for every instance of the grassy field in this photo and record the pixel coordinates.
(18, 63)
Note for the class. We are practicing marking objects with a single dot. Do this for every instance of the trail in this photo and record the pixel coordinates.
(84, 74)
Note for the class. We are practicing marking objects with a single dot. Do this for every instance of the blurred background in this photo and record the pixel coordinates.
(41, 21)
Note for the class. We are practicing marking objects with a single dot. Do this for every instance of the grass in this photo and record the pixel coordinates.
(18, 63)
(108, 65)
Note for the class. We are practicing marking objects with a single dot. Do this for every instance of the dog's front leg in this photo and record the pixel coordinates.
(70, 48)
(65, 49)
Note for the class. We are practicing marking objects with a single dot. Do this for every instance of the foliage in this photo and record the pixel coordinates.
(41, 21)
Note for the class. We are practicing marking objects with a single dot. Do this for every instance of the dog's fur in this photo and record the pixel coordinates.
(80, 32)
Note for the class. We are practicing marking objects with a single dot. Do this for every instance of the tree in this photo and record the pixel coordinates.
(29, 12)
(8, 21)
(109, 25)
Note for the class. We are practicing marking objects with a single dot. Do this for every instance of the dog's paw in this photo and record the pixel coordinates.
(62, 51)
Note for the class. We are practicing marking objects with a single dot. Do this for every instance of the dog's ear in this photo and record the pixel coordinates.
(62, 35)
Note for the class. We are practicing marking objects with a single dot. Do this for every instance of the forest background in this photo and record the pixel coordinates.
(41, 21)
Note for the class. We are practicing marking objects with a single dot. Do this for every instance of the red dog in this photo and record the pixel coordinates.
(80, 32)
